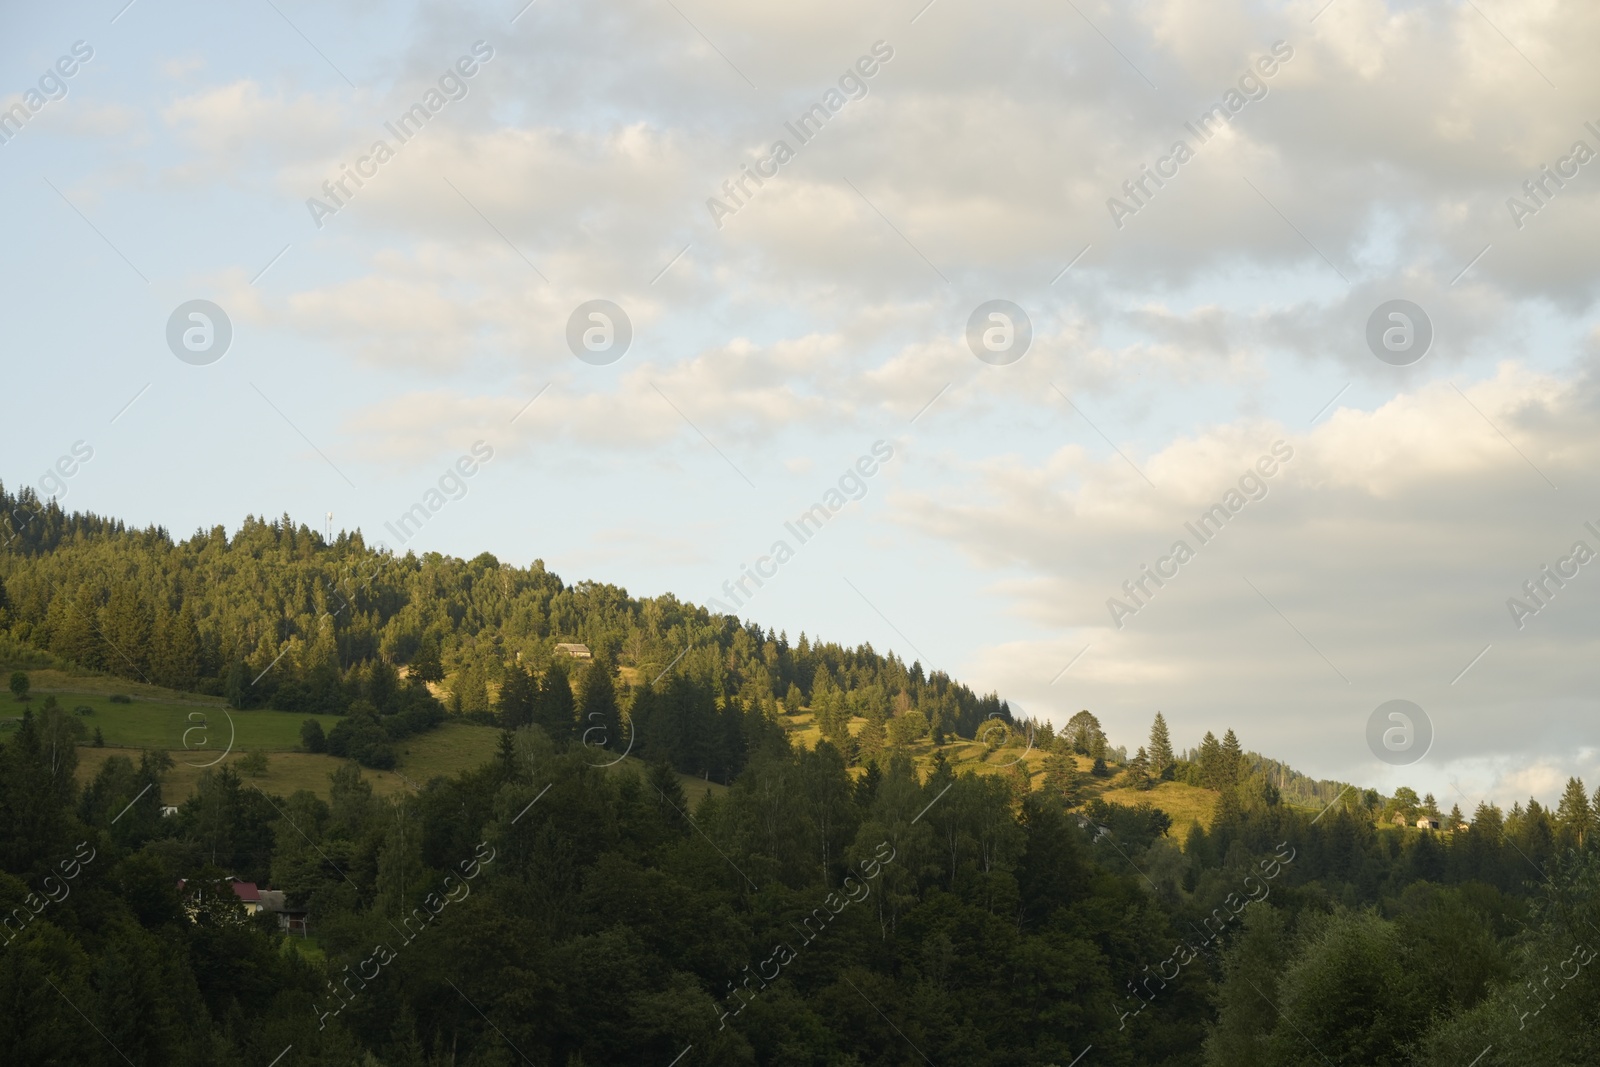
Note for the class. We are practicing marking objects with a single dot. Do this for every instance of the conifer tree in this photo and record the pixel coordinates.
(556, 712)
(873, 737)
(426, 664)
(1061, 776)
(1160, 752)
(1139, 770)
(1573, 815)
(597, 705)
(1233, 768)
(518, 695)
(1209, 762)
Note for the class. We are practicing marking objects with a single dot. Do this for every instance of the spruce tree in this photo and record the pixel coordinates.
(1139, 770)
(1573, 815)
(518, 695)
(597, 706)
(1233, 768)
(1209, 762)
(1061, 776)
(556, 710)
(426, 664)
(1160, 754)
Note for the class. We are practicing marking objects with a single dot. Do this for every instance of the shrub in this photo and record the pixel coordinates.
(121, 698)
(83, 709)
(253, 763)
(312, 739)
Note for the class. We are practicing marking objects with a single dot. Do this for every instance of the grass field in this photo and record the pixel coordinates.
(448, 750)
(202, 730)
(196, 730)
(445, 751)
(1184, 803)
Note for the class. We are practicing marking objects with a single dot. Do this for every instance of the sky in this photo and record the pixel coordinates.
(1198, 219)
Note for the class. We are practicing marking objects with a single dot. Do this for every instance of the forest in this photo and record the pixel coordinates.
(839, 902)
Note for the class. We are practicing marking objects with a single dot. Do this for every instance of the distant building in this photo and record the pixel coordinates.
(248, 895)
(290, 920)
(255, 900)
(1427, 822)
(575, 650)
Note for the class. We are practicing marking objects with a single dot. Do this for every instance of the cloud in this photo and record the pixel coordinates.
(1370, 569)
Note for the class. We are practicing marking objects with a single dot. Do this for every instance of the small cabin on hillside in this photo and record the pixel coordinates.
(1427, 822)
(575, 650)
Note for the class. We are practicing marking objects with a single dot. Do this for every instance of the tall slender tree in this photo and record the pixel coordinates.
(1573, 816)
(555, 713)
(1160, 751)
(1232, 767)
(1208, 762)
(597, 706)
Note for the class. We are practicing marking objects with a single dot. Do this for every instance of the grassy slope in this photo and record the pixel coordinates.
(156, 720)
(159, 719)
(1184, 803)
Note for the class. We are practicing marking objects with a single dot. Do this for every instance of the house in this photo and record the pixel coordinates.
(575, 650)
(248, 895)
(255, 901)
(290, 920)
(167, 811)
(1427, 822)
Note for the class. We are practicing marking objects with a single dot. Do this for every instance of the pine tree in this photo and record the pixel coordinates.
(1161, 759)
(867, 785)
(518, 695)
(597, 706)
(667, 794)
(507, 755)
(1573, 815)
(1209, 762)
(1061, 776)
(426, 664)
(874, 735)
(1139, 770)
(556, 712)
(1233, 768)
(175, 649)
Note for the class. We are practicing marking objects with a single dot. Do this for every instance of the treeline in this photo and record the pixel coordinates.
(275, 616)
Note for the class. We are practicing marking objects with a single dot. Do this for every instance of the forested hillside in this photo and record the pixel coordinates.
(276, 617)
(840, 903)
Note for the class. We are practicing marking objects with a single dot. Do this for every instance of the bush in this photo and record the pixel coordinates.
(83, 709)
(121, 698)
(253, 763)
(312, 739)
(19, 684)
(359, 737)
(99, 739)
